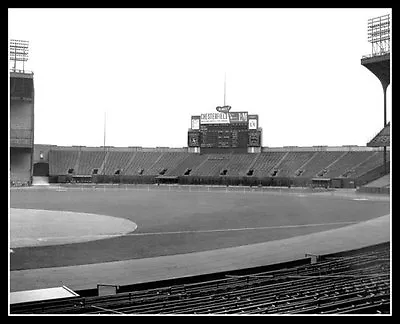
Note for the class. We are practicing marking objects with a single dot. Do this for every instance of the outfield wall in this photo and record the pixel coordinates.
(201, 180)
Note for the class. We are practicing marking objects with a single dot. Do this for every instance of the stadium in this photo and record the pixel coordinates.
(222, 226)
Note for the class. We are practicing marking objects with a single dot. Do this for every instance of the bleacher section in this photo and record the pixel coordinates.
(319, 162)
(265, 163)
(353, 282)
(298, 167)
(348, 162)
(292, 162)
(381, 182)
(167, 161)
(88, 161)
(375, 161)
(141, 162)
(212, 166)
(189, 163)
(380, 185)
(62, 160)
(239, 164)
(117, 161)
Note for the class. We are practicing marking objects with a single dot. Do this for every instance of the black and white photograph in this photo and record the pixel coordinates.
(199, 161)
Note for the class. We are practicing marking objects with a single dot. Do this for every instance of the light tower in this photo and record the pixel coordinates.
(378, 62)
(19, 51)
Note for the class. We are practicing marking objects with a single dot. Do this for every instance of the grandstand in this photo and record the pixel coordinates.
(349, 161)
(213, 166)
(62, 162)
(292, 162)
(380, 185)
(141, 162)
(187, 165)
(88, 161)
(240, 164)
(319, 162)
(297, 166)
(116, 160)
(265, 162)
(167, 161)
(373, 162)
(351, 282)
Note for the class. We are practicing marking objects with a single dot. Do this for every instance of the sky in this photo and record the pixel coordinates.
(142, 73)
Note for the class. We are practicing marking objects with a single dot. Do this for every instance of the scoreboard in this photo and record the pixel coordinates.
(234, 131)
(223, 136)
(255, 138)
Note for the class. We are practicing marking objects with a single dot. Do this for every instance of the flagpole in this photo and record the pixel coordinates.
(104, 141)
(104, 145)
(224, 88)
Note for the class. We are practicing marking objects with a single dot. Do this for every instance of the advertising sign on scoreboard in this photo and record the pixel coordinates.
(253, 121)
(195, 122)
(223, 118)
(215, 118)
(254, 139)
(238, 117)
(193, 139)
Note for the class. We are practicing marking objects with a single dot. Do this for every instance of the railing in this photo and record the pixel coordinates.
(375, 55)
(21, 71)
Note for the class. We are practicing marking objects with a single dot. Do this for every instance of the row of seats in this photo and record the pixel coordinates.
(292, 162)
(278, 164)
(142, 161)
(116, 161)
(346, 282)
(90, 160)
(347, 163)
(371, 163)
(61, 161)
(187, 165)
(320, 161)
(239, 166)
(382, 182)
(265, 163)
(166, 161)
(213, 166)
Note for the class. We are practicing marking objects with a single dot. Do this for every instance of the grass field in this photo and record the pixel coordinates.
(173, 222)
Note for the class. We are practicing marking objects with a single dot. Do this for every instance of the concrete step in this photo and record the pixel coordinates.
(40, 181)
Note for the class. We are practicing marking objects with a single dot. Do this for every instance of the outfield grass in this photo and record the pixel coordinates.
(181, 222)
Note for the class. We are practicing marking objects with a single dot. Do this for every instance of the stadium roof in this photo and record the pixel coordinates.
(382, 139)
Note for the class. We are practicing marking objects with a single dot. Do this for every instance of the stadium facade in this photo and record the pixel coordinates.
(21, 127)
